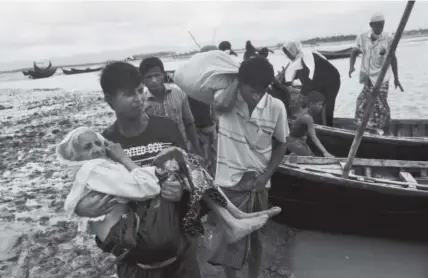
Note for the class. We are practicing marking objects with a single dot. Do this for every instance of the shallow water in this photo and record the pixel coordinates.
(408, 105)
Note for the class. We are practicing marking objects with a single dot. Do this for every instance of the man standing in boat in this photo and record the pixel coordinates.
(252, 131)
(374, 45)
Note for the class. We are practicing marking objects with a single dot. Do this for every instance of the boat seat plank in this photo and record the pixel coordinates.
(352, 176)
(406, 176)
(357, 162)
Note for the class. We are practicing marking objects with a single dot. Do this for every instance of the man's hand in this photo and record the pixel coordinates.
(398, 84)
(351, 70)
(171, 190)
(115, 151)
(260, 182)
(95, 204)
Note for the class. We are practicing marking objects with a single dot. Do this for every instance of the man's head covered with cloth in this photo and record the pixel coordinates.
(377, 22)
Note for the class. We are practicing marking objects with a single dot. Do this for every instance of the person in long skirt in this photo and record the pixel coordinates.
(374, 45)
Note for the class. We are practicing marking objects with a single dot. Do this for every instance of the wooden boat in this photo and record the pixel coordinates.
(380, 198)
(402, 146)
(77, 71)
(40, 72)
(339, 54)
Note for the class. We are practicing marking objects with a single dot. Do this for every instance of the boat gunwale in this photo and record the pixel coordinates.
(336, 131)
(295, 168)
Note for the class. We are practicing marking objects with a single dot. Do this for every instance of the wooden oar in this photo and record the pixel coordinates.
(375, 94)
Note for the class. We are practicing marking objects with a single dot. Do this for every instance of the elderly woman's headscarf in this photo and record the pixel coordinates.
(65, 150)
(301, 56)
(66, 154)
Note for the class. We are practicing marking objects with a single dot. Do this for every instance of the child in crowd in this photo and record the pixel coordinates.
(304, 127)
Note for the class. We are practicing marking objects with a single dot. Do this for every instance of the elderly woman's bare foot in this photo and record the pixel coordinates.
(242, 215)
(240, 228)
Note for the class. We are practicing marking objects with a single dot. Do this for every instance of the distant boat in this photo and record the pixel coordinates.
(39, 72)
(77, 71)
(339, 54)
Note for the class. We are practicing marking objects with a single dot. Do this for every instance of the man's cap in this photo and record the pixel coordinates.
(377, 17)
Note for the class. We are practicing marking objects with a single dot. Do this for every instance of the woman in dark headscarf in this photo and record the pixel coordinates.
(315, 74)
(250, 51)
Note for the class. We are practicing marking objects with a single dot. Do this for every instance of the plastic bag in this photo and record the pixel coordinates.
(205, 73)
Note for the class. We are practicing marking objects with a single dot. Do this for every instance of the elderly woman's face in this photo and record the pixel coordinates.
(88, 146)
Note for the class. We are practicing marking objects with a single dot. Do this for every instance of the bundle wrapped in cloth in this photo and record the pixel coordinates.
(206, 73)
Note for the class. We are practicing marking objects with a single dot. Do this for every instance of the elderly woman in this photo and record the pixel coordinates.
(315, 73)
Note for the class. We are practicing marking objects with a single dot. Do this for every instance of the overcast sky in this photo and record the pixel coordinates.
(48, 29)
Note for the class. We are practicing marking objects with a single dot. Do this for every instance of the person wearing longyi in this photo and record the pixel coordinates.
(374, 45)
(251, 144)
(163, 250)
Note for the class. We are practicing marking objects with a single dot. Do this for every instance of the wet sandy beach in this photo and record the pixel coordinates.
(38, 240)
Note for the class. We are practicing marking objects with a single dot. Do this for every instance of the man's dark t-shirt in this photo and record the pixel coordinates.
(160, 133)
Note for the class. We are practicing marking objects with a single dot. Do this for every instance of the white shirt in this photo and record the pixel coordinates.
(373, 56)
(245, 141)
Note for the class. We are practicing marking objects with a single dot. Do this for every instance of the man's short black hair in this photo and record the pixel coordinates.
(150, 63)
(225, 45)
(119, 76)
(256, 72)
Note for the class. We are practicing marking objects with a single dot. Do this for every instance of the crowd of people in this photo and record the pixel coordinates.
(143, 184)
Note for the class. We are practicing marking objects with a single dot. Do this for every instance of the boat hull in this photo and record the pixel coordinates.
(78, 71)
(314, 201)
(37, 74)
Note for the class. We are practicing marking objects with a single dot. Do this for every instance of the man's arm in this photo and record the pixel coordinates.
(280, 134)
(312, 134)
(356, 50)
(225, 100)
(394, 66)
(189, 124)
